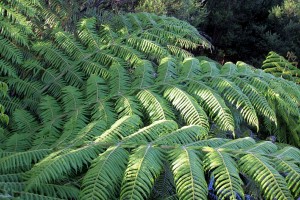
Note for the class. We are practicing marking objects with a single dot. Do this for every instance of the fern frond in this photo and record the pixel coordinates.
(167, 71)
(7, 69)
(187, 105)
(13, 32)
(190, 68)
(61, 191)
(52, 55)
(96, 89)
(289, 152)
(72, 98)
(265, 147)
(103, 179)
(228, 69)
(156, 107)
(258, 101)
(213, 103)
(25, 122)
(261, 170)
(60, 163)
(120, 129)
(213, 142)
(34, 196)
(89, 67)
(67, 42)
(179, 52)
(209, 68)
(88, 133)
(228, 182)
(103, 110)
(291, 172)
(128, 105)
(87, 33)
(188, 174)
(16, 18)
(235, 96)
(26, 87)
(144, 74)
(184, 135)
(151, 132)
(239, 143)
(119, 79)
(22, 160)
(148, 47)
(279, 66)
(50, 114)
(143, 168)
(71, 128)
(126, 52)
(11, 104)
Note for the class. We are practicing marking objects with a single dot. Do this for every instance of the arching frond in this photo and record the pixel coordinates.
(103, 110)
(258, 101)
(190, 68)
(61, 191)
(209, 68)
(67, 42)
(228, 182)
(151, 132)
(60, 163)
(167, 71)
(119, 79)
(213, 142)
(128, 105)
(88, 34)
(235, 96)
(213, 103)
(185, 135)
(144, 166)
(144, 74)
(156, 107)
(9, 51)
(187, 105)
(148, 47)
(96, 89)
(120, 129)
(22, 160)
(261, 170)
(7, 69)
(239, 143)
(105, 175)
(265, 147)
(188, 174)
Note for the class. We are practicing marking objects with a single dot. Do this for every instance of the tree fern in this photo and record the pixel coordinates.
(119, 107)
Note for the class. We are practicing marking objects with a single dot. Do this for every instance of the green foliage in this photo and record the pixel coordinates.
(107, 111)
(281, 67)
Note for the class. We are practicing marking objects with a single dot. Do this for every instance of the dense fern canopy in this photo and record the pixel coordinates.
(121, 109)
